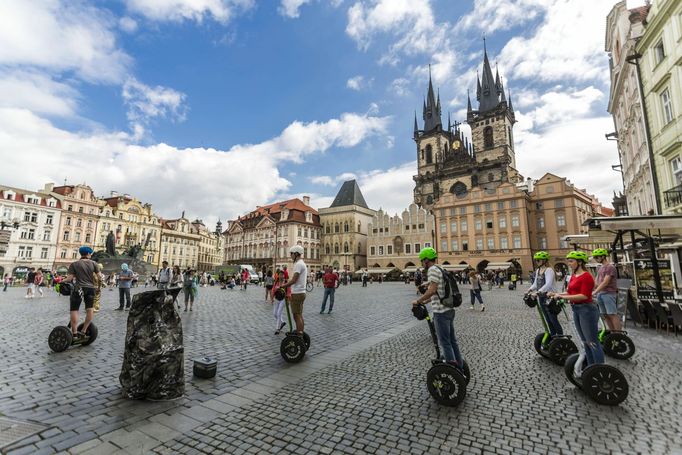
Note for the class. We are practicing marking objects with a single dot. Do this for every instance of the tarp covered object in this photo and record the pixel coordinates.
(153, 361)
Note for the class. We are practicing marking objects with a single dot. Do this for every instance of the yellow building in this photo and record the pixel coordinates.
(131, 222)
(180, 242)
(211, 245)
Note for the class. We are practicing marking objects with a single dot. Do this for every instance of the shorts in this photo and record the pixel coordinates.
(607, 303)
(296, 301)
(31, 286)
(268, 287)
(82, 294)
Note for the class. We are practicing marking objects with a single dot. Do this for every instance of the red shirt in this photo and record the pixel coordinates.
(582, 284)
(330, 279)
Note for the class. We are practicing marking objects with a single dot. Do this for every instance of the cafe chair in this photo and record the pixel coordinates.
(650, 314)
(676, 314)
(634, 312)
(662, 316)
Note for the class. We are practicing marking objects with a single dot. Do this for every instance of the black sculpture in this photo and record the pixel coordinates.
(111, 244)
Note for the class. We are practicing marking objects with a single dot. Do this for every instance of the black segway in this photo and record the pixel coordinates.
(554, 347)
(294, 345)
(616, 343)
(603, 383)
(446, 383)
(61, 337)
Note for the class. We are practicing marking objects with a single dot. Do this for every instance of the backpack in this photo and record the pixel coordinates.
(452, 297)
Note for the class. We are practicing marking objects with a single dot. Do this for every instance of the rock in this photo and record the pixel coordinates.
(153, 361)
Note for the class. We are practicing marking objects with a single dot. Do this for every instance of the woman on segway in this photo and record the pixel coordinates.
(542, 284)
(585, 311)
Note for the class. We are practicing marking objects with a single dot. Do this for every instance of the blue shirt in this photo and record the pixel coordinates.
(125, 283)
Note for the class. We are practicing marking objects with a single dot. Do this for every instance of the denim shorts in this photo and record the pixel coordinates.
(607, 303)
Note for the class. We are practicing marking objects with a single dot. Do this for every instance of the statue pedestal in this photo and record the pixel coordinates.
(153, 361)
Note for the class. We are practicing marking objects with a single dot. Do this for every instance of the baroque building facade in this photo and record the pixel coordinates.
(345, 229)
(263, 237)
(211, 246)
(179, 243)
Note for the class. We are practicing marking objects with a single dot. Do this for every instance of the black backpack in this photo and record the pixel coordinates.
(452, 297)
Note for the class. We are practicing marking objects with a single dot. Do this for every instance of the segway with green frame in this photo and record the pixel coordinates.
(554, 347)
(616, 343)
(61, 337)
(294, 345)
(603, 383)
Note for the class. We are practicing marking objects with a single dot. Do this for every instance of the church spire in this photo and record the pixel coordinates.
(432, 108)
(416, 127)
(490, 85)
(468, 103)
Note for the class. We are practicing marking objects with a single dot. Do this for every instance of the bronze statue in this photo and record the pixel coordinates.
(111, 244)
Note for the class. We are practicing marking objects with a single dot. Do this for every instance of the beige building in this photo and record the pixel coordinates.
(132, 223)
(660, 54)
(78, 225)
(263, 237)
(395, 241)
(344, 229)
(211, 246)
(623, 29)
(180, 242)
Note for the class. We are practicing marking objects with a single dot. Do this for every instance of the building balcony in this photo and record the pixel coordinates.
(673, 197)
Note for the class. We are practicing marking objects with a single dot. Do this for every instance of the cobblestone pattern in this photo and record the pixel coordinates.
(377, 402)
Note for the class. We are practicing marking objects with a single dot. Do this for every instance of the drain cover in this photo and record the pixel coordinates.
(13, 431)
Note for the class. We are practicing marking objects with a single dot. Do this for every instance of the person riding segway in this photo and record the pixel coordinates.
(296, 342)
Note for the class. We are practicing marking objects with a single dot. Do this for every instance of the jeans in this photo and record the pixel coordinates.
(475, 294)
(121, 293)
(553, 324)
(328, 292)
(445, 331)
(585, 318)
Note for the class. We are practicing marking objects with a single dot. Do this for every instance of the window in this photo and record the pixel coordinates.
(478, 224)
(43, 253)
(372, 251)
(488, 139)
(49, 218)
(66, 236)
(477, 208)
(46, 236)
(381, 250)
(62, 254)
(22, 252)
(462, 210)
(659, 52)
(491, 244)
(479, 244)
(442, 213)
(560, 220)
(542, 243)
(389, 249)
(417, 248)
(489, 223)
(541, 222)
(676, 167)
(427, 244)
(336, 228)
(7, 213)
(31, 217)
(70, 209)
(453, 226)
(503, 222)
(500, 205)
(443, 245)
(667, 105)
(345, 227)
(504, 244)
(463, 225)
(512, 204)
(68, 221)
(80, 209)
(87, 238)
(408, 248)
(517, 241)
(515, 221)
(300, 231)
(488, 207)
(345, 247)
(465, 245)
(453, 211)
(429, 154)
(443, 228)
(79, 222)
(454, 245)
(559, 203)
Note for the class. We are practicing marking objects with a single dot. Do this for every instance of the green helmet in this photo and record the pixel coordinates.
(541, 255)
(600, 252)
(577, 255)
(428, 253)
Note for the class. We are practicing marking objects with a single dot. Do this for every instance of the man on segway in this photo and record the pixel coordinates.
(542, 284)
(82, 272)
(443, 316)
(298, 284)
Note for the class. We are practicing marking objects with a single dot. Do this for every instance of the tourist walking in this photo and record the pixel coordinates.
(6, 281)
(245, 278)
(38, 282)
(190, 288)
(30, 281)
(364, 278)
(125, 281)
(330, 280)
(607, 289)
(165, 276)
(475, 291)
(269, 283)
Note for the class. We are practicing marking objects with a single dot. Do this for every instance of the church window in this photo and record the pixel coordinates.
(345, 247)
(429, 154)
(336, 248)
(327, 249)
(328, 228)
(488, 137)
(509, 136)
(336, 228)
(359, 224)
(345, 227)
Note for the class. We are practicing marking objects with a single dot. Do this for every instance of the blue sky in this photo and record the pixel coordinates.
(216, 106)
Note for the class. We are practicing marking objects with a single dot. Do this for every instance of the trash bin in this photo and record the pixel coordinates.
(153, 360)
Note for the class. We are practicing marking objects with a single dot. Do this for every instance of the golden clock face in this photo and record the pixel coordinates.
(456, 144)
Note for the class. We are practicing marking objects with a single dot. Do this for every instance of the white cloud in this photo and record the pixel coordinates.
(37, 92)
(60, 35)
(128, 24)
(496, 15)
(358, 83)
(194, 10)
(290, 8)
(146, 103)
(322, 180)
(171, 178)
(554, 107)
(400, 86)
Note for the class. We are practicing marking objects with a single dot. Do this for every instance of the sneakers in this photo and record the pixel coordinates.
(321, 311)
(482, 308)
(471, 307)
(329, 312)
(281, 326)
(118, 309)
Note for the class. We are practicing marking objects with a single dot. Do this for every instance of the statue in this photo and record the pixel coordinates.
(134, 251)
(111, 244)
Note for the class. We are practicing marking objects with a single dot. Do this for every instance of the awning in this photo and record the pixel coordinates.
(372, 270)
(498, 265)
(456, 267)
(411, 269)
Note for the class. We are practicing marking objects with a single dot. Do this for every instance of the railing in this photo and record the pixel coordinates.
(673, 196)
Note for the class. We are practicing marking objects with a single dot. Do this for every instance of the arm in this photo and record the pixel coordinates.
(584, 290)
(430, 292)
(534, 286)
(549, 281)
(605, 282)
(293, 279)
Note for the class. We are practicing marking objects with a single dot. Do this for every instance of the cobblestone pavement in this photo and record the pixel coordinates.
(361, 388)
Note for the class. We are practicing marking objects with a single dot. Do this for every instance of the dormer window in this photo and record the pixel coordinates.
(308, 217)
(9, 195)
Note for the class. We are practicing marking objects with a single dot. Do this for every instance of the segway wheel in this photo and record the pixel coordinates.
(560, 348)
(618, 345)
(569, 366)
(309, 287)
(91, 333)
(537, 343)
(605, 384)
(60, 339)
(292, 348)
(446, 384)
(306, 340)
(467, 372)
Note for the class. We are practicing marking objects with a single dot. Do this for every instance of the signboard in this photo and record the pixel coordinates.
(644, 275)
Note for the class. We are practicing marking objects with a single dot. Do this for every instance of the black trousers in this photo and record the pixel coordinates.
(123, 292)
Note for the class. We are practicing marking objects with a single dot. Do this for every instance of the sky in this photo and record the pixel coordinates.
(214, 107)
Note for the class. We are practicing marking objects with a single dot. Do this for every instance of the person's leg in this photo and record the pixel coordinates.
(477, 294)
(186, 292)
(453, 339)
(581, 326)
(331, 299)
(590, 326)
(552, 319)
(191, 300)
(126, 293)
(120, 298)
(445, 335)
(89, 300)
(297, 308)
(473, 297)
(609, 308)
(324, 300)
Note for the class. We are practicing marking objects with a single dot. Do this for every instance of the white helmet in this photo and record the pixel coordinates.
(296, 249)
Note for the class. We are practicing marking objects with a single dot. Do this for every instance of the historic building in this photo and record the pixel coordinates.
(395, 241)
(132, 223)
(180, 242)
(29, 223)
(344, 229)
(486, 215)
(658, 55)
(264, 236)
(623, 29)
(211, 246)
(78, 224)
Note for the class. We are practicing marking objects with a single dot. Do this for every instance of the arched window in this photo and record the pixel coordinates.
(488, 137)
(359, 223)
(336, 228)
(509, 136)
(359, 247)
(336, 248)
(345, 227)
(328, 228)
(327, 249)
(429, 154)
(345, 247)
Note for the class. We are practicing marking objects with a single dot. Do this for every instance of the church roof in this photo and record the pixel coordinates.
(349, 194)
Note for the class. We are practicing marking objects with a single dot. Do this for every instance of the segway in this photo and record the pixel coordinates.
(446, 383)
(602, 383)
(616, 343)
(554, 347)
(61, 337)
(294, 345)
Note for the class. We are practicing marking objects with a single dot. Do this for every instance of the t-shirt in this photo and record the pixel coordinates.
(299, 286)
(31, 277)
(581, 284)
(269, 281)
(330, 279)
(435, 275)
(165, 275)
(84, 270)
(608, 270)
(126, 284)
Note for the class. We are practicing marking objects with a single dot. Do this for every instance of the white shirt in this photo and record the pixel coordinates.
(299, 286)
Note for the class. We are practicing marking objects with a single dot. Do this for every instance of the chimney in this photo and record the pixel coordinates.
(48, 187)
(306, 200)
